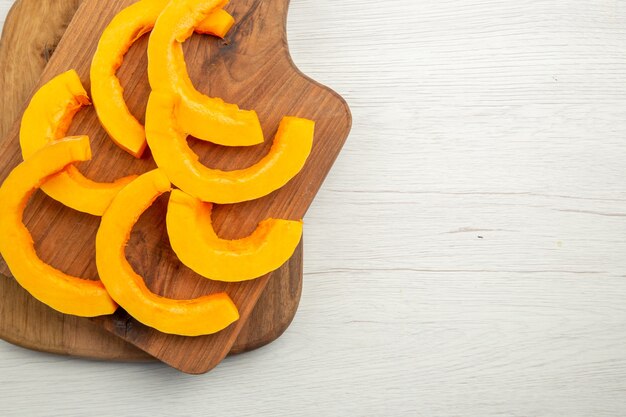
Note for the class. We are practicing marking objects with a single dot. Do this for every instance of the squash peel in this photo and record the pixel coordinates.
(194, 241)
(62, 292)
(199, 316)
(106, 90)
(203, 117)
(47, 119)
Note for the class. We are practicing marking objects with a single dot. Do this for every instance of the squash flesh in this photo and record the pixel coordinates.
(199, 316)
(168, 143)
(46, 119)
(203, 117)
(196, 244)
(62, 292)
(106, 90)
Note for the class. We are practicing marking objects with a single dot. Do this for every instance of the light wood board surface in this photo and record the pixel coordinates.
(493, 118)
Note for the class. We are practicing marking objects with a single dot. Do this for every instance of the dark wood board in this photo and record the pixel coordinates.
(251, 67)
(24, 52)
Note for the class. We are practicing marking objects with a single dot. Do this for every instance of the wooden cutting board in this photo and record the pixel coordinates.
(24, 52)
(252, 68)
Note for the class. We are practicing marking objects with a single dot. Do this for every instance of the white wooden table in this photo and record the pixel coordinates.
(467, 254)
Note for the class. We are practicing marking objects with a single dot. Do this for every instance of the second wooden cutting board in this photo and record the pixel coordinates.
(251, 68)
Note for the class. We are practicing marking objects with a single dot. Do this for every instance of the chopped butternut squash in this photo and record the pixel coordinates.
(107, 92)
(193, 239)
(199, 316)
(62, 292)
(47, 119)
(201, 116)
(171, 152)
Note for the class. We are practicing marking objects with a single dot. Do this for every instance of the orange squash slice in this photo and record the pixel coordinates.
(206, 118)
(195, 243)
(47, 119)
(62, 292)
(199, 316)
(171, 153)
(107, 92)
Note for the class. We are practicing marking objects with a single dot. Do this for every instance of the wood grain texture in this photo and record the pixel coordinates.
(497, 119)
(24, 52)
(253, 64)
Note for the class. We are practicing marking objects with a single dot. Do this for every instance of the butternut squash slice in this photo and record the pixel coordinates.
(201, 116)
(197, 246)
(171, 153)
(107, 92)
(62, 292)
(47, 119)
(203, 315)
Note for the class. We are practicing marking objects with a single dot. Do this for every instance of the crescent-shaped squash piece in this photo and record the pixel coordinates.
(47, 119)
(107, 92)
(201, 116)
(168, 143)
(203, 315)
(195, 243)
(62, 292)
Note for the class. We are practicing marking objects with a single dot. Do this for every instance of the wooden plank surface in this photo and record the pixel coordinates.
(493, 118)
(277, 87)
(30, 34)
